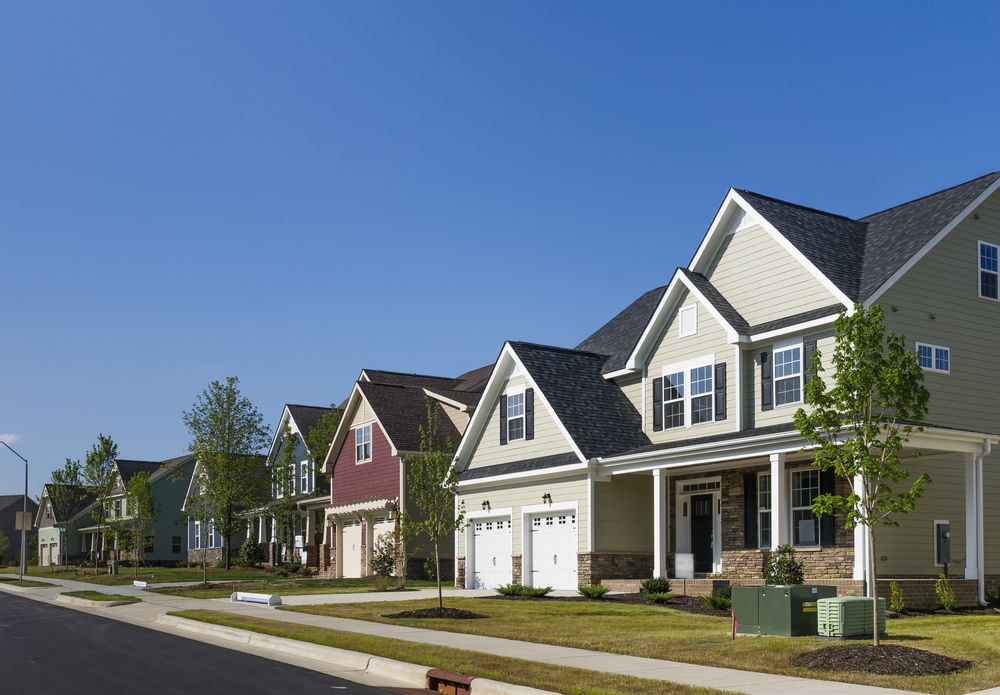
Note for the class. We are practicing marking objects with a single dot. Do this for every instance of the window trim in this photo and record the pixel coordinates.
(517, 391)
(197, 535)
(686, 368)
(689, 309)
(792, 508)
(980, 270)
(357, 430)
(304, 487)
(762, 511)
(782, 347)
(934, 350)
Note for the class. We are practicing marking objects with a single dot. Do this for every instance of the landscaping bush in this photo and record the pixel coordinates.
(521, 590)
(250, 554)
(658, 596)
(782, 568)
(896, 603)
(721, 598)
(945, 594)
(593, 591)
(657, 585)
(384, 555)
(509, 590)
(993, 594)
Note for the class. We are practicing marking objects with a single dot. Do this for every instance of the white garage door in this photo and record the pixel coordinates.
(553, 550)
(491, 553)
(383, 526)
(350, 556)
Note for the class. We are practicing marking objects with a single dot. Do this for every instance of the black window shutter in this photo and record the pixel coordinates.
(720, 391)
(657, 405)
(826, 522)
(529, 413)
(750, 539)
(766, 381)
(808, 348)
(503, 420)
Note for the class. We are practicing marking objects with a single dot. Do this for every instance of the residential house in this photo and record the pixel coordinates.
(10, 507)
(305, 489)
(367, 462)
(663, 444)
(166, 543)
(63, 510)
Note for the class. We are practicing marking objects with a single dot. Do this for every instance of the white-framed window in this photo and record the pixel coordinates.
(515, 416)
(118, 509)
(363, 444)
(197, 535)
(805, 524)
(689, 393)
(788, 374)
(989, 270)
(688, 320)
(934, 358)
(304, 477)
(764, 510)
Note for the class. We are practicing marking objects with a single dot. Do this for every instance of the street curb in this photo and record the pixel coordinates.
(24, 589)
(77, 601)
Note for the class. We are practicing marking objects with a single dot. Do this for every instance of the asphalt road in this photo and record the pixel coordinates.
(48, 649)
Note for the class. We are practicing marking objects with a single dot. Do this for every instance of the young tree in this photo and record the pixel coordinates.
(65, 495)
(431, 487)
(860, 426)
(99, 471)
(227, 432)
(283, 475)
(318, 442)
(198, 508)
(142, 513)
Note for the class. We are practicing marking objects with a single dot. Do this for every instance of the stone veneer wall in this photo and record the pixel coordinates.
(516, 569)
(593, 568)
(460, 572)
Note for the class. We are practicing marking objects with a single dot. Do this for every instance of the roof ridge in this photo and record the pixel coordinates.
(556, 348)
(390, 371)
(928, 195)
(800, 206)
(303, 405)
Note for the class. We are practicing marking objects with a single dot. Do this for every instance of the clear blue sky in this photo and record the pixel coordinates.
(290, 192)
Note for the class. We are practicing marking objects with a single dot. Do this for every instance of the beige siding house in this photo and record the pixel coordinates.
(664, 444)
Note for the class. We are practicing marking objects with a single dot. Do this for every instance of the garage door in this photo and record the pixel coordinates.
(553, 550)
(350, 556)
(491, 553)
(383, 526)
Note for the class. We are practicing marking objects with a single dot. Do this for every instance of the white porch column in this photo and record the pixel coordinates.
(779, 502)
(973, 510)
(660, 492)
(310, 527)
(338, 535)
(274, 530)
(260, 529)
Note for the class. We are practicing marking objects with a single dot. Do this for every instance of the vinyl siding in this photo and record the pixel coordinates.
(762, 280)
(623, 514)
(944, 284)
(991, 514)
(363, 414)
(549, 439)
(523, 494)
(670, 348)
(781, 413)
(631, 386)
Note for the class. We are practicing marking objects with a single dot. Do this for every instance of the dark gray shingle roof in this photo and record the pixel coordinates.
(128, 468)
(306, 416)
(519, 466)
(720, 303)
(617, 338)
(402, 410)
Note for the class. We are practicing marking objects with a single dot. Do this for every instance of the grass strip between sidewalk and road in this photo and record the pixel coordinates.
(101, 596)
(285, 587)
(147, 574)
(563, 679)
(24, 583)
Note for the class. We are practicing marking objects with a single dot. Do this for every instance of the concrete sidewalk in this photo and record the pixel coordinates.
(751, 682)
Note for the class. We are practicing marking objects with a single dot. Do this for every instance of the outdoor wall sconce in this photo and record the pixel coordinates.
(486, 505)
(547, 498)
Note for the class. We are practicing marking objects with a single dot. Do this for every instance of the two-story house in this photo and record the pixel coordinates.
(62, 511)
(663, 445)
(206, 541)
(367, 462)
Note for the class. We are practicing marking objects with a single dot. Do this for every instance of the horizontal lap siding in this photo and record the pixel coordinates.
(524, 494)
(762, 280)
(991, 513)
(671, 349)
(784, 413)
(548, 440)
(631, 386)
(354, 482)
(623, 514)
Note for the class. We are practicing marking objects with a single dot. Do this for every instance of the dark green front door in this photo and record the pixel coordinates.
(702, 522)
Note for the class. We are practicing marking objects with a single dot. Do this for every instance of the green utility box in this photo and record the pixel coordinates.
(849, 617)
(779, 610)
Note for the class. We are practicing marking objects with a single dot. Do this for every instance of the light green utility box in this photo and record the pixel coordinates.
(789, 611)
(848, 617)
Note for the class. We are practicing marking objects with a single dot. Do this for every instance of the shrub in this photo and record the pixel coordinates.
(593, 591)
(521, 590)
(509, 590)
(993, 594)
(384, 555)
(782, 568)
(250, 554)
(657, 585)
(659, 596)
(430, 569)
(721, 598)
(896, 603)
(945, 594)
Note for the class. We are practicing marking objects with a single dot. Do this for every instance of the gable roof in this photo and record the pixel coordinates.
(306, 416)
(381, 376)
(617, 338)
(127, 468)
(76, 500)
(401, 410)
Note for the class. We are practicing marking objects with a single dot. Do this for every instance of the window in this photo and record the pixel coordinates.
(688, 323)
(290, 480)
(683, 407)
(805, 524)
(175, 544)
(48, 510)
(515, 416)
(118, 509)
(788, 375)
(988, 271)
(304, 476)
(764, 510)
(363, 444)
(211, 534)
(934, 358)
(197, 535)
(149, 544)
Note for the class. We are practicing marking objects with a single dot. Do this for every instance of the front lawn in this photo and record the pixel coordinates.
(563, 679)
(101, 596)
(26, 583)
(665, 633)
(284, 587)
(147, 574)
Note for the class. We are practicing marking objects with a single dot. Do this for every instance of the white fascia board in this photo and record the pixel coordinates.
(545, 402)
(717, 228)
(461, 407)
(541, 474)
(187, 493)
(637, 358)
(343, 426)
(619, 374)
(791, 330)
(286, 415)
(731, 335)
(932, 243)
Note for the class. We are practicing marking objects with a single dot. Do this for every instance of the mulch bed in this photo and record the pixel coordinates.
(884, 660)
(450, 613)
(689, 604)
(969, 610)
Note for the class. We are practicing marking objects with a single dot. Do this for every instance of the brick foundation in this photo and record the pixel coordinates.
(460, 572)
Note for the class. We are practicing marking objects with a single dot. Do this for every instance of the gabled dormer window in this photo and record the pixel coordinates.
(515, 416)
(989, 270)
(363, 444)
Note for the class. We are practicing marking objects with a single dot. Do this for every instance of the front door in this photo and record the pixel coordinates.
(702, 523)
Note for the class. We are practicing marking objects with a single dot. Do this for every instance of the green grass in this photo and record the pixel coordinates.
(101, 596)
(572, 681)
(283, 587)
(148, 574)
(26, 583)
(665, 633)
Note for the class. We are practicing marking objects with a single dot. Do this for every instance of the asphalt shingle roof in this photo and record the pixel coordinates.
(720, 303)
(519, 466)
(306, 416)
(128, 468)
(68, 505)
(402, 410)
(617, 338)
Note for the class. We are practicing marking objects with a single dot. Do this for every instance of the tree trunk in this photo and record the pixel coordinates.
(874, 584)
(437, 574)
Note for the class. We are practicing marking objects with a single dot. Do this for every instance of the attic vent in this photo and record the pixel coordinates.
(688, 320)
(740, 220)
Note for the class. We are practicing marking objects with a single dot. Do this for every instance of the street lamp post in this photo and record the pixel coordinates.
(24, 513)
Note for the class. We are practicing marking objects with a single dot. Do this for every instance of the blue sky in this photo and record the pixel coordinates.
(290, 192)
